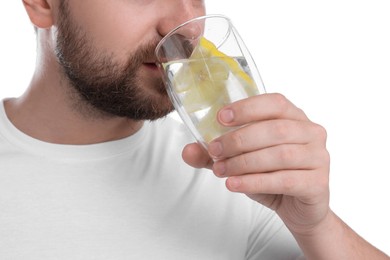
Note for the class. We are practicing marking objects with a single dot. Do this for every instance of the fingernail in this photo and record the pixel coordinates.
(226, 116)
(215, 149)
(234, 183)
(219, 168)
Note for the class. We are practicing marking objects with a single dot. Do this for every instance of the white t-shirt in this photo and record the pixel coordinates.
(128, 199)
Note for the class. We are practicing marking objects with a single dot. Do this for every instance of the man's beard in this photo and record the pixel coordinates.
(109, 87)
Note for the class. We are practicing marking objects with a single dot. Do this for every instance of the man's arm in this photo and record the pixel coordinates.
(278, 157)
(334, 239)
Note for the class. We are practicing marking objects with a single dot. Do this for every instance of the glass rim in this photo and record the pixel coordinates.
(174, 30)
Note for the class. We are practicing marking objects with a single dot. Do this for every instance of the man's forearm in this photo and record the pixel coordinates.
(336, 240)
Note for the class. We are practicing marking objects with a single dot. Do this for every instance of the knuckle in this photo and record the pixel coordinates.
(316, 158)
(281, 101)
(286, 154)
(325, 158)
(281, 130)
(320, 132)
(244, 162)
(237, 140)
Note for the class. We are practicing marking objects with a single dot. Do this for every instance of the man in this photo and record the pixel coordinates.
(89, 171)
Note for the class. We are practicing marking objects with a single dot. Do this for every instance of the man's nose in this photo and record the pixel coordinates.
(179, 13)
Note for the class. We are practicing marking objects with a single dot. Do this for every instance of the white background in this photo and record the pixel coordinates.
(331, 58)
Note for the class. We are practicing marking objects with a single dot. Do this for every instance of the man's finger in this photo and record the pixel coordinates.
(259, 108)
(196, 156)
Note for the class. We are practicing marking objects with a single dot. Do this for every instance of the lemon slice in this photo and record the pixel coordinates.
(205, 75)
(207, 49)
(206, 81)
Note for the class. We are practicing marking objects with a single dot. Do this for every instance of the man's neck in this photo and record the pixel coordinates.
(46, 113)
(50, 110)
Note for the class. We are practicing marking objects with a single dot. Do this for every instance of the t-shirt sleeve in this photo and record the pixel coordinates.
(270, 238)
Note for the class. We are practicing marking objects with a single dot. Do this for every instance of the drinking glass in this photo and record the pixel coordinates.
(206, 65)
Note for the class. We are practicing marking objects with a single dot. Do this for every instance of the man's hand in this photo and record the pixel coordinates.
(277, 157)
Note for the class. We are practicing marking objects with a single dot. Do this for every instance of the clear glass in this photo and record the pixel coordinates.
(206, 65)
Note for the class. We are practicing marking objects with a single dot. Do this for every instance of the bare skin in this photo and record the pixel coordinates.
(51, 110)
(278, 159)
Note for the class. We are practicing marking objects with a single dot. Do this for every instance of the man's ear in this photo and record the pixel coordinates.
(40, 12)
